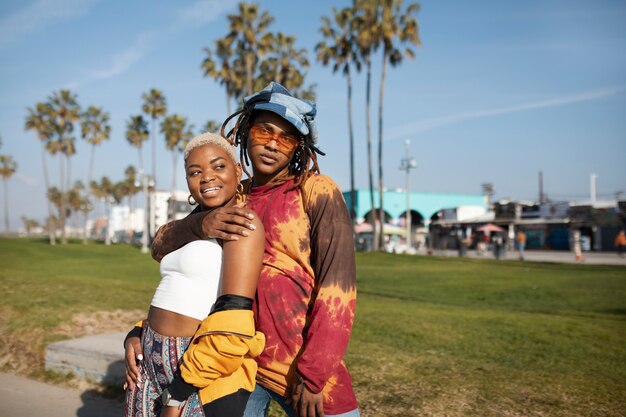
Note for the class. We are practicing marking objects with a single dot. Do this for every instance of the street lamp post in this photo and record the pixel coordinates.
(406, 164)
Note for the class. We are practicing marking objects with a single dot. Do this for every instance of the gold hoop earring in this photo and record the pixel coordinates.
(239, 191)
(190, 199)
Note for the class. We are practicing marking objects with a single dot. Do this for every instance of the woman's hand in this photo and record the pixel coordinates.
(133, 357)
(228, 223)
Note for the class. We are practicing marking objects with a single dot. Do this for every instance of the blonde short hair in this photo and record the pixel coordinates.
(208, 138)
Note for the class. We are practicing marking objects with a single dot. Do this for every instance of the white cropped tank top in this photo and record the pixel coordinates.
(190, 279)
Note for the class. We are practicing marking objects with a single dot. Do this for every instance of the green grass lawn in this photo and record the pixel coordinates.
(432, 337)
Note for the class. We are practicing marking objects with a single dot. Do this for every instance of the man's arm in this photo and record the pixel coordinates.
(333, 262)
(226, 223)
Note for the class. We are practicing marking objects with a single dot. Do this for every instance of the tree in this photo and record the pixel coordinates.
(38, 120)
(339, 47)
(212, 126)
(285, 64)
(248, 36)
(155, 106)
(64, 111)
(29, 224)
(177, 134)
(7, 168)
(226, 74)
(95, 130)
(104, 190)
(398, 28)
(368, 40)
(78, 202)
(136, 134)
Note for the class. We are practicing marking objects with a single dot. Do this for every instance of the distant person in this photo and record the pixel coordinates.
(620, 243)
(199, 340)
(306, 294)
(577, 244)
(498, 245)
(520, 237)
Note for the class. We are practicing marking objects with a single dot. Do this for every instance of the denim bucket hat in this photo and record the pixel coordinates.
(277, 99)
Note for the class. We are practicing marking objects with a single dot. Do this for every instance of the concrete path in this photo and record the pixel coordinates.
(23, 397)
(589, 258)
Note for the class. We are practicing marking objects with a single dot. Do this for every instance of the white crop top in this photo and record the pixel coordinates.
(190, 279)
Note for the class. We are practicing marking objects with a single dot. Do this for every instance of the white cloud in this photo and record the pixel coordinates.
(418, 127)
(203, 11)
(119, 63)
(29, 181)
(38, 15)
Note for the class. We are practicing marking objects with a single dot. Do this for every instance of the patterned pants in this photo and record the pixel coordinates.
(162, 355)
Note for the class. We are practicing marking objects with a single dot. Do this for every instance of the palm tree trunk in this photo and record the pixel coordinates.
(170, 211)
(380, 148)
(6, 206)
(62, 202)
(249, 86)
(369, 148)
(227, 105)
(89, 178)
(107, 236)
(153, 148)
(351, 134)
(52, 237)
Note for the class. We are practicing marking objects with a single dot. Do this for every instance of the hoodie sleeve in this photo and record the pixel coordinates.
(333, 262)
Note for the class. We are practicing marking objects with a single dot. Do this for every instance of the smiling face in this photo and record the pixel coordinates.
(212, 176)
(269, 160)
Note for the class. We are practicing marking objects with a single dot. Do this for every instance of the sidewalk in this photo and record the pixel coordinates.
(589, 258)
(23, 397)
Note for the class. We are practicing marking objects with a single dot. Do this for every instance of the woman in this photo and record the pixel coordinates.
(306, 294)
(216, 374)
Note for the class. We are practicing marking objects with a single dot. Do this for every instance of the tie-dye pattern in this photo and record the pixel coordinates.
(306, 295)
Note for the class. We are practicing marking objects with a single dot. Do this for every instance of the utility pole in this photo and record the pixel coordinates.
(406, 165)
(592, 187)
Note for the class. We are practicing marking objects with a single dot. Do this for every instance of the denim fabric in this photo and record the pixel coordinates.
(259, 402)
(277, 99)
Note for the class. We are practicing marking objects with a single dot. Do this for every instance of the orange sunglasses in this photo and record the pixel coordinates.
(285, 142)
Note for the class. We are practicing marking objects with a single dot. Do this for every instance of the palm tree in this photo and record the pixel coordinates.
(64, 112)
(248, 36)
(212, 126)
(29, 224)
(78, 201)
(226, 74)
(155, 106)
(104, 191)
(177, 134)
(136, 134)
(7, 168)
(367, 28)
(95, 130)
(38, 120)
(339, 48)
(398, 27)
(285, 64)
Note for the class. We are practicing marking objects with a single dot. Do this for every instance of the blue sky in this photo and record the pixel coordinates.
(497, 92)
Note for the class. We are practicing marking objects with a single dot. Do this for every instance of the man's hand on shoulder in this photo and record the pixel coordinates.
(228, 223)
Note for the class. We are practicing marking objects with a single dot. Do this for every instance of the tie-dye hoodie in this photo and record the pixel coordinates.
(306, 294)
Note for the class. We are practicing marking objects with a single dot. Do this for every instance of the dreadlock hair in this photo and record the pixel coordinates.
(303, 162)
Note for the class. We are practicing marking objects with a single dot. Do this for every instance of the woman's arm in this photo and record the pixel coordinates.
(226, 336)
(242, 261)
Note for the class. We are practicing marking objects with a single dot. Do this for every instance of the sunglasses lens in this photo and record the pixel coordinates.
(284, 142)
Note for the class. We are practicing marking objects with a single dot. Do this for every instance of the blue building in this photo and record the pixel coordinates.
(424, 206)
